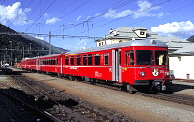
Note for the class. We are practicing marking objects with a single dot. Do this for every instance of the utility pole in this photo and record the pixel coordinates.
(30, 46)
(17, 46)
(11, 53)
(49, 42)
(39, 24)
(23, 52)
(87, 26)
(71, 27)
(63, 30)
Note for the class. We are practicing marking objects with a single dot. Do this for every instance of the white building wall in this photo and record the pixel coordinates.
(183, 67)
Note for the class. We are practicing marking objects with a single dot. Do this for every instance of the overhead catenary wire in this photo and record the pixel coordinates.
(140, 11)
(116, 5)
(132, 23)
(40, 15)
(126, 16)
(81, 5)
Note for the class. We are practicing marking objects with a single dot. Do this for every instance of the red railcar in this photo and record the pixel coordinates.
(49, 63)
(134, 64)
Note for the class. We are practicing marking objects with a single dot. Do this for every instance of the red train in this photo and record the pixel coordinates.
(135, 65)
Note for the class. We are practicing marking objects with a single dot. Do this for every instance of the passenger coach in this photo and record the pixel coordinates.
(133, 64)
(137, 64)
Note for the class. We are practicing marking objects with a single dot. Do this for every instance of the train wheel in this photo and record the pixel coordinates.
(132, 92)
(72, 78)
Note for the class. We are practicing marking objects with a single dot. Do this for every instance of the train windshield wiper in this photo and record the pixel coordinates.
(150, 64)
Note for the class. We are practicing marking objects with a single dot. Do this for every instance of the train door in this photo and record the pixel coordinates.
(37, 64)
(61, 63)
(116, 67)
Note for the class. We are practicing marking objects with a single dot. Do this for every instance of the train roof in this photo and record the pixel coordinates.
(49, 55)
(146, 42)
(42, 56)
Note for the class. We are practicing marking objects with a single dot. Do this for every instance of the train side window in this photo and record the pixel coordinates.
(41, 62)
(72, 60)
(131, 57)
(106, 57)
(84, 59)
(49, 61)
(97, 59)
(53, 61)
(66, 60)
(89, 59)
(56, 61)
(127, 57)
(44, 61)
(78, 57)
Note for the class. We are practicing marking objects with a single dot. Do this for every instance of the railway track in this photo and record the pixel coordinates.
(176, 98)
(61, 106)
(21, 111)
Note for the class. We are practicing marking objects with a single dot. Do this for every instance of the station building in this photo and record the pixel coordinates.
(181, 52)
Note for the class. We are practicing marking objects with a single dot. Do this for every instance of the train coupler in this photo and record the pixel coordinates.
(158, 85)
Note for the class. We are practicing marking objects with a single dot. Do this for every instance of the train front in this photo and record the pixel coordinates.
(150, 66)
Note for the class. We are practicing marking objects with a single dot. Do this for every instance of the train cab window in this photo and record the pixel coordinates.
(85, 59)
(106, 57)
(72, 60)
(66, 60)
(78, 57)
(89, 59)
(161, 57)
(97, 59)
(127, 57)
(144, 57)
(131, 53)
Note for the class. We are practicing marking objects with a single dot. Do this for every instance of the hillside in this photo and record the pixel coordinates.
(21, 46)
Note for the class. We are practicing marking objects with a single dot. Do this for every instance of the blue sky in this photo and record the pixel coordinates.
(96, 17)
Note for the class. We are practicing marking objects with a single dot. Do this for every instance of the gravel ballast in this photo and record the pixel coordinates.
(173, 111)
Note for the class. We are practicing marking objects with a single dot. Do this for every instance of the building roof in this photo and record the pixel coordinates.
(123, 33)
(173, 43)
(186, 50)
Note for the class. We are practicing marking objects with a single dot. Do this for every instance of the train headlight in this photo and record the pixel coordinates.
(142, 73)
(167, 73)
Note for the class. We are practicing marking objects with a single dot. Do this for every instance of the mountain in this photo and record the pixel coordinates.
(45, 44)
(191, 39)
(15, 46)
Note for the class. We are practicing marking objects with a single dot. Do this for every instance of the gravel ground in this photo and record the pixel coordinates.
(184, 91)
(175, 112)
